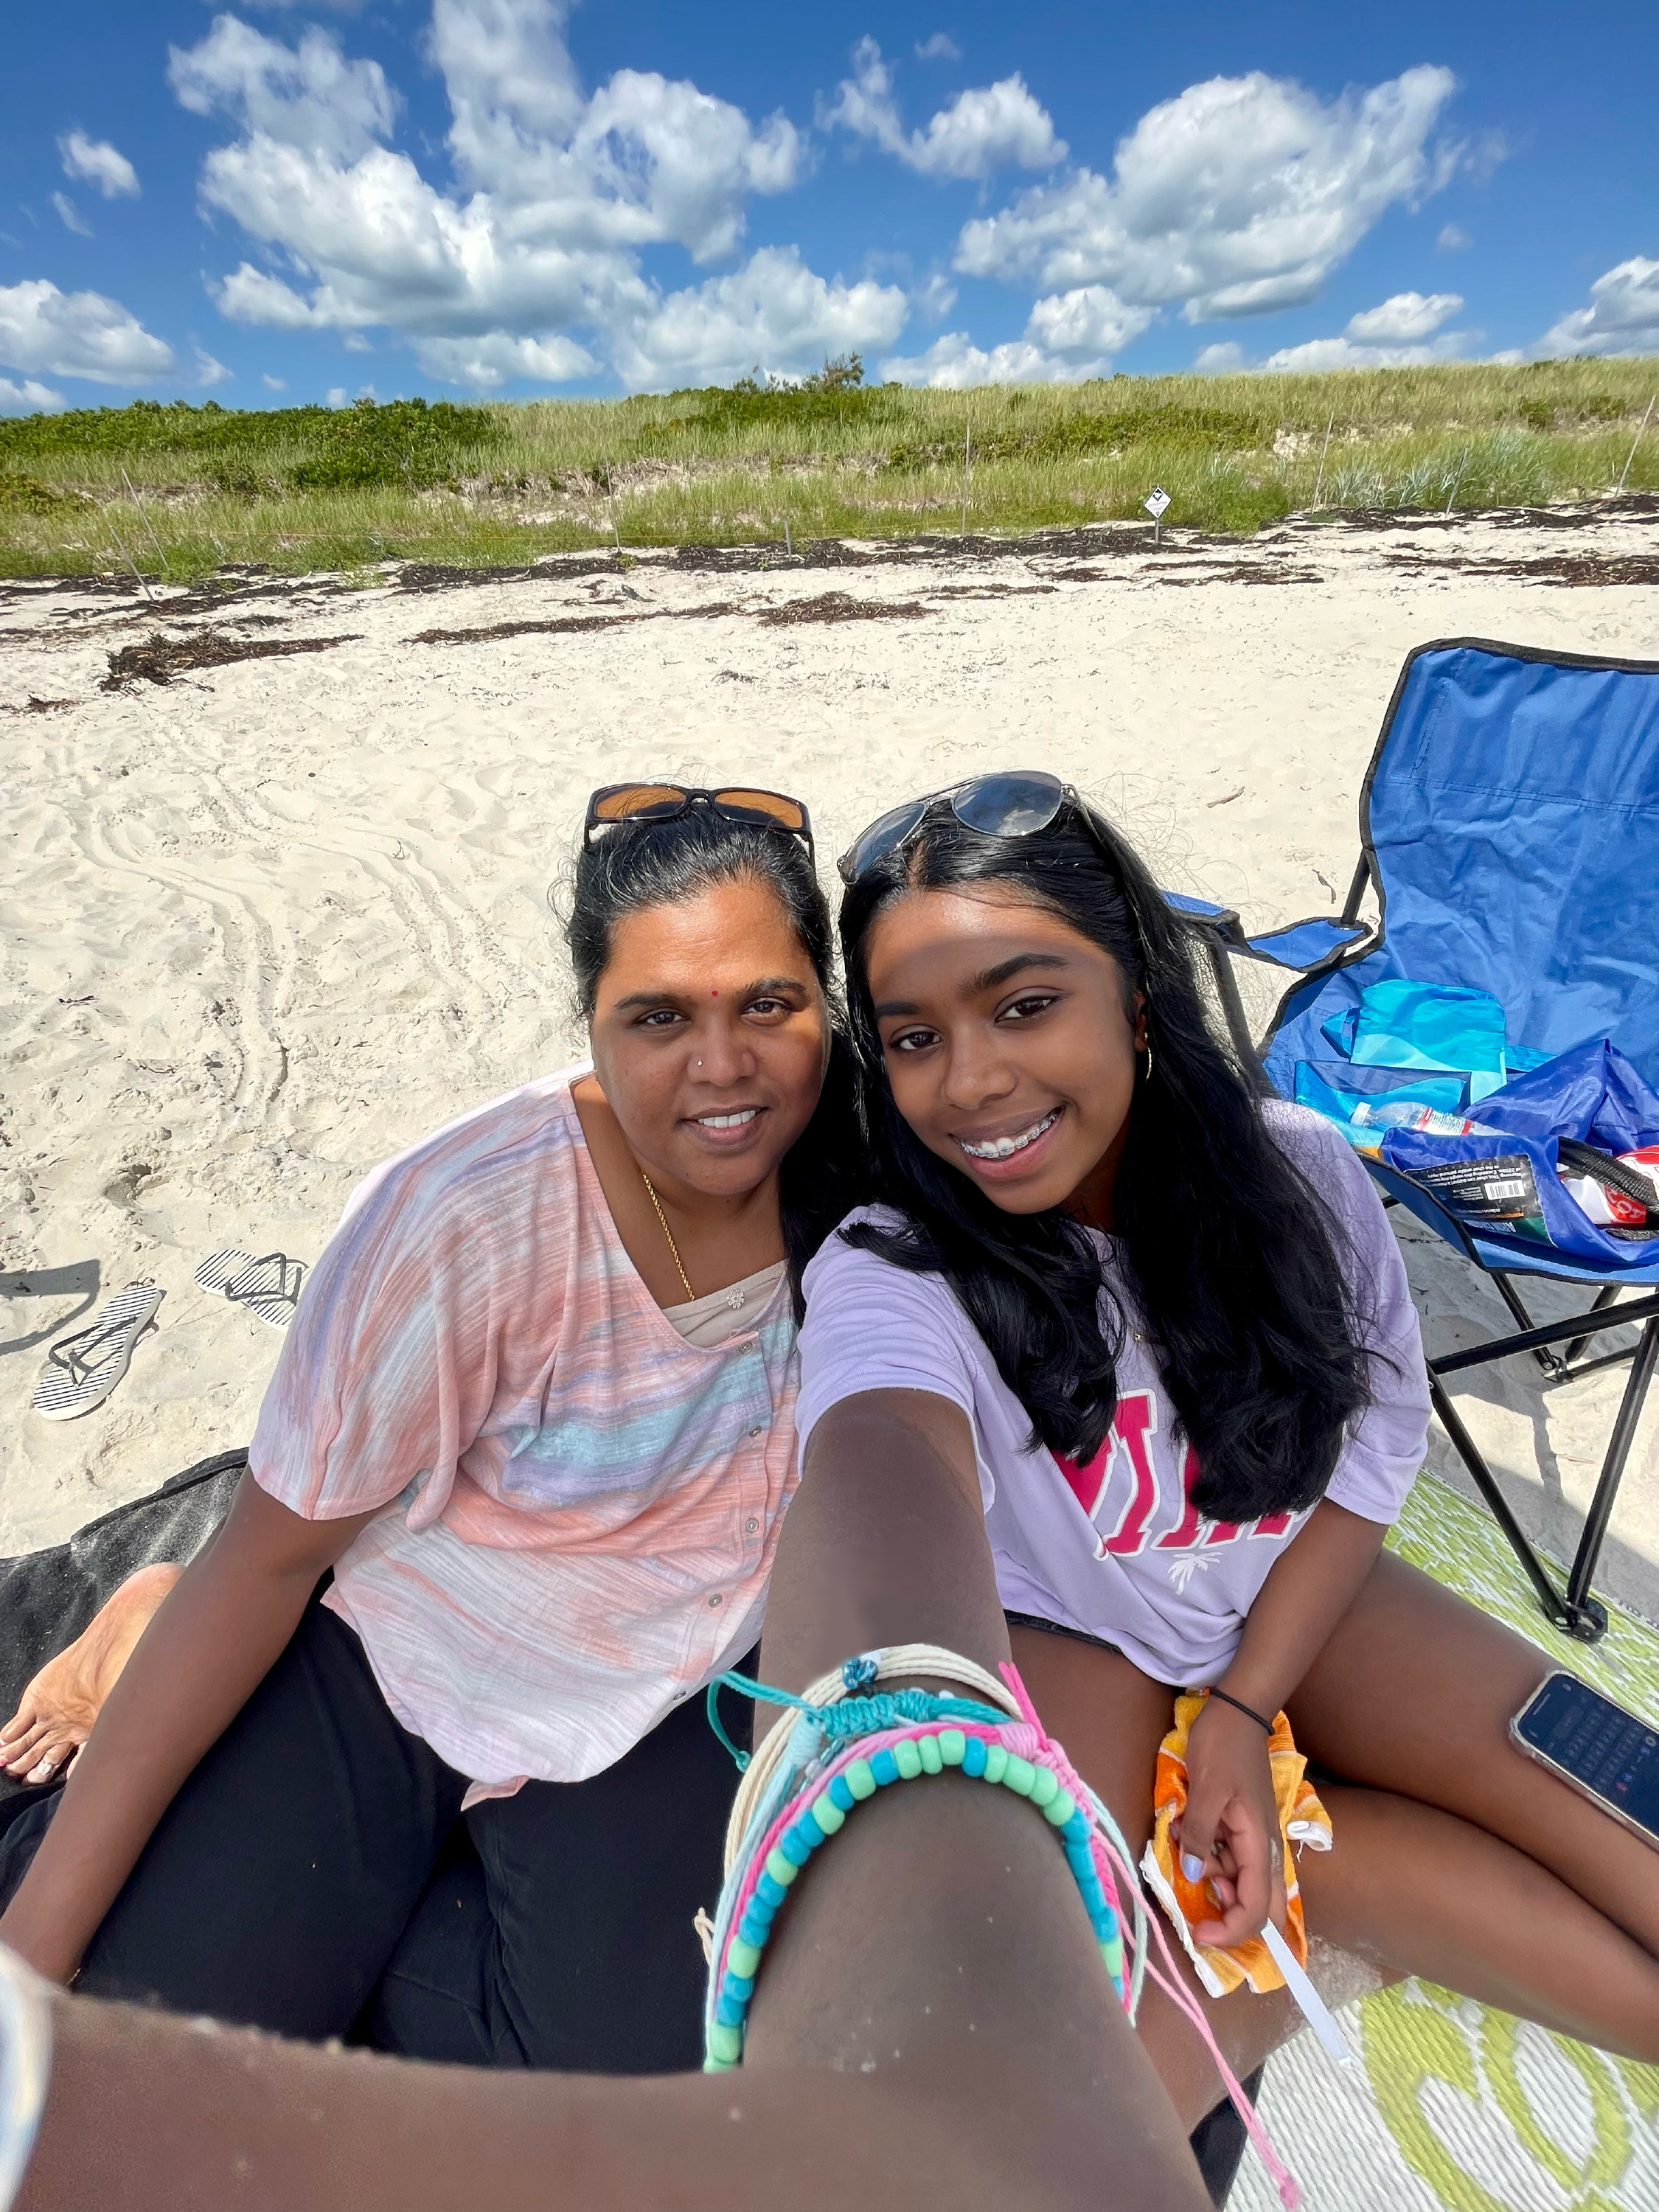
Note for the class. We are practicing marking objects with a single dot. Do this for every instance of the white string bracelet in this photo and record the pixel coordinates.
(24, 2067)
(912, 1662)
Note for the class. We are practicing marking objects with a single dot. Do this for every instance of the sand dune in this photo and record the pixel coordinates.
(270, 919)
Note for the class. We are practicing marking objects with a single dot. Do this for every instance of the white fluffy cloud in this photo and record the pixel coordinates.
(1622, 317)
(558, 192)
(1404, 318)
(309, 96)
(775, 311)
(955, 363)
(77, 334)
(994, 126)
(96, 161)
(1391, 335)
(1224, 359)
(486, 362)
(27, 398)
(71, 215)
(1068, 336)
(1237, 197)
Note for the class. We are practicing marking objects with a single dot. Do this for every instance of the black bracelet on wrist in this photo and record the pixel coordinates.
(1238, 1707)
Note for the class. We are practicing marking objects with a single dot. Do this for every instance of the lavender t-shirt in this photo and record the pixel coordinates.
(1116, 1547)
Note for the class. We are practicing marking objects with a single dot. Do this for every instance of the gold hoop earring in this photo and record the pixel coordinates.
(1149, 1059)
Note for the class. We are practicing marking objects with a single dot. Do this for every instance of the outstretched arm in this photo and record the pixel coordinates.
(940, 1938)
(933, 2027)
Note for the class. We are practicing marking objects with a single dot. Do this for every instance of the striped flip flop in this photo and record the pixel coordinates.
(269, 1287)
(82, 1370)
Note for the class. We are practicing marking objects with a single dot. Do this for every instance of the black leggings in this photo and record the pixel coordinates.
(315, 1874)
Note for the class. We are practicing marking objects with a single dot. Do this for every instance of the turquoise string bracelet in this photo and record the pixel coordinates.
(848, 1741)
(840, 1755)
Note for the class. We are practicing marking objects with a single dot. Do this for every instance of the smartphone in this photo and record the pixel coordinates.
(1596, 1747)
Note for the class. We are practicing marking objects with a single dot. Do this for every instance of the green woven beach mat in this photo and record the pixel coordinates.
(1451, 2107)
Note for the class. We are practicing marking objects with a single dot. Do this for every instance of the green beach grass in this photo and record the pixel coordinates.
(176, 491)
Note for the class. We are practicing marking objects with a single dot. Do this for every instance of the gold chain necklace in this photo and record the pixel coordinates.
(690, 1295)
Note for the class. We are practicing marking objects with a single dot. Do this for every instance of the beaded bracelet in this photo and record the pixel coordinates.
(839, 1755)
(845, 1746)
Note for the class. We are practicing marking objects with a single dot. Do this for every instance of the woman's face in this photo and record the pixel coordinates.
(1009, 1043)
(710, 1037)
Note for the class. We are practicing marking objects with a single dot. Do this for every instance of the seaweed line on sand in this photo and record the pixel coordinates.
(158, 660)
(839, 607)
(563, 625)
(1545, 568)
(1236, 572)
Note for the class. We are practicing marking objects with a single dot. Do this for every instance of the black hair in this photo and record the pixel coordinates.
(1233, 1258)
(647, 864)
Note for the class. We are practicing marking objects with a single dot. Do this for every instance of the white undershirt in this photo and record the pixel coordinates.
(709, 1322)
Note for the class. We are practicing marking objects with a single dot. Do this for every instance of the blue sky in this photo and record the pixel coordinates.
(278, 203)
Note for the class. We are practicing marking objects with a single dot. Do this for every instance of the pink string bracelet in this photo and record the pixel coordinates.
(848, 1742)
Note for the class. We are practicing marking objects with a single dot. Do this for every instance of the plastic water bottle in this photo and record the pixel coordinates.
(1406, 1114)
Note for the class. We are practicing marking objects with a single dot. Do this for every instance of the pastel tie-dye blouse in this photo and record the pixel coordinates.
(581, 1508)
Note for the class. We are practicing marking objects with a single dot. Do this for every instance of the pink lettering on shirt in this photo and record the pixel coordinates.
(1128, 1444)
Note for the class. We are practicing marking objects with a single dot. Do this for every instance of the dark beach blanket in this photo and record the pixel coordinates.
(47, 1598)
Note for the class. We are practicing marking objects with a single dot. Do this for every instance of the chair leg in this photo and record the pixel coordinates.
(1584, 1618)
(1604, 1298)
(1613, 1470)
(1549, 1360)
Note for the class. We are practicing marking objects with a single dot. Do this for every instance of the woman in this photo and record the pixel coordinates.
(534, 1413)
(1160, 1330)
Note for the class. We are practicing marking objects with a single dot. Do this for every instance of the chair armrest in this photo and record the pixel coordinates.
(1215, 924)
(1304, 944)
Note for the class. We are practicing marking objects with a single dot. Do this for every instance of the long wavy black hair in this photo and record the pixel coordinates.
(646, 864)
(1235, 1260)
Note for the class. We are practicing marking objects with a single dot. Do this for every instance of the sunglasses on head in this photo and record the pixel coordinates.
(619, 803)
(1017, 803)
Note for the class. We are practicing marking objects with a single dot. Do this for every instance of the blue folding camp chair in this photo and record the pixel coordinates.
(1510, 826)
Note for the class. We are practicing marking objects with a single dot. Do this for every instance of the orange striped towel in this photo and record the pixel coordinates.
(1303, 1822)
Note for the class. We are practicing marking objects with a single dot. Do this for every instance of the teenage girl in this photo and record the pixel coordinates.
(535, 1415)
(1156, 1328)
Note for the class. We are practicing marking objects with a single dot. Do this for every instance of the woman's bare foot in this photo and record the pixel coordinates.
(55, 1714)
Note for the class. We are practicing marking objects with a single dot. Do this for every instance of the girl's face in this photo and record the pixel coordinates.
(710, 1037)
(1010, 1042)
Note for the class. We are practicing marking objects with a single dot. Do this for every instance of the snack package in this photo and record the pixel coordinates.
(1303, 1823)
(1619, 1192)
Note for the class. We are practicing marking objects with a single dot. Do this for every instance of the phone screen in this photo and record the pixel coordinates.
(1609, 1750)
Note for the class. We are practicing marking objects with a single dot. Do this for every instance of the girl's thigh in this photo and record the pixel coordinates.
(1111, 1719)
(1414, 1694)
(277, 1881)
(594, 1965)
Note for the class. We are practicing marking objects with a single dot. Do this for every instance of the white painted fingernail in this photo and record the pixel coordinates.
(1192, 1866)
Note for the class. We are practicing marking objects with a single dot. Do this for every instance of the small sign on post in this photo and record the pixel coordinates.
(1155, 502)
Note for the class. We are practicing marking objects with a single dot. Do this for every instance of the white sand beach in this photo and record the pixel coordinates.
(269, 922)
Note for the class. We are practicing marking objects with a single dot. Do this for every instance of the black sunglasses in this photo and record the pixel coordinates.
(1015, 804)
(618, 803)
